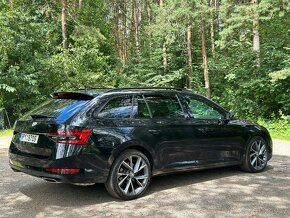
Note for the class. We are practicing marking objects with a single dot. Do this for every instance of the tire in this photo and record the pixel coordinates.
(256, 156)
(129, 175)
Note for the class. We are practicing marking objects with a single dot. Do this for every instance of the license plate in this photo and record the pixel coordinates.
(24, 137)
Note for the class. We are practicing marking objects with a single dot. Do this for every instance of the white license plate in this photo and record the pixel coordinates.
(24, 137)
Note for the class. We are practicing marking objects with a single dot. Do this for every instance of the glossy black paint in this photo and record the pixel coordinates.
(171, 145)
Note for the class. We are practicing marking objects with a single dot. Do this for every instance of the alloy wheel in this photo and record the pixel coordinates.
(133, 175)
(258, 155)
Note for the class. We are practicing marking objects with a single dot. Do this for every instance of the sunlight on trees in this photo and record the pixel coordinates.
(236, 52)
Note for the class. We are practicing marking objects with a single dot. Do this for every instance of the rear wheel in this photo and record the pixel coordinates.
(256, 155)
(130, 175)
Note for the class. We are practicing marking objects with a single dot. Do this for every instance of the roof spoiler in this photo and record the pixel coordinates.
(72, 95)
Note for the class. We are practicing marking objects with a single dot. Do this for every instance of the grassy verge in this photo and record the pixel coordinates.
(278, 128)
(279, 135)
(7, 132)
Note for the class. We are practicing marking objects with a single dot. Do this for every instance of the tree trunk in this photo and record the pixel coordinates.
(134, 27)
(147, 14)
(63, 24)
(124, 32)
(116, 29)
(80, 4)
(256, 35)
(164, 55)
(164, 49)
(204, 58)
(217, 8)
(227, 14)
(189, 57)
(212, 28)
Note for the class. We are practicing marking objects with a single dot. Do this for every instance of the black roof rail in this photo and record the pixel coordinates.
(92, 88)
(145, 88)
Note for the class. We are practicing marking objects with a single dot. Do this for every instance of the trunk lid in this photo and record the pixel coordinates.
(32, 132)
(43, 146)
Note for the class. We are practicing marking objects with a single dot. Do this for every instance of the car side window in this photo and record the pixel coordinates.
(164, 107)
(143, 111)
(120, 107)
(201, 110)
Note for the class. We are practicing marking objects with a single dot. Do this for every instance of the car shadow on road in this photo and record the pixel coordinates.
(44, 198)
(60, 194)
(191, 177)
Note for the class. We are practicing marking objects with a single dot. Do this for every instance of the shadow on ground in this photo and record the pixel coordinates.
(226, 191)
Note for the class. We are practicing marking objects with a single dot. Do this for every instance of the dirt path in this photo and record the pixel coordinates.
(225, 192)
(5, 141)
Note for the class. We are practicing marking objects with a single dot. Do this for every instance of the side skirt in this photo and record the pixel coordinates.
(194, 168)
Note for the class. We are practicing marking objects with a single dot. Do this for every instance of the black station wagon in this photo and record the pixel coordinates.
(122, 137)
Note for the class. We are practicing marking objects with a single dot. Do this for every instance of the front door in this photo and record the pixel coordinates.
(215, 140)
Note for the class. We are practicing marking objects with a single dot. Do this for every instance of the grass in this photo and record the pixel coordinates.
(278, 128)
(7, 132)
(281, 135)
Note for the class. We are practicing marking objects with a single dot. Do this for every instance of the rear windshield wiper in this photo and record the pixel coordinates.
(41, 116)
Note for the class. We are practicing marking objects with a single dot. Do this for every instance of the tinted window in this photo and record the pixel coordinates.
(117, 108)
(60, 109)
(164, 107)
(143, 111)
(200, 109)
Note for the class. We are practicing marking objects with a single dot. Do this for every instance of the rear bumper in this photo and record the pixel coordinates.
(36, 167)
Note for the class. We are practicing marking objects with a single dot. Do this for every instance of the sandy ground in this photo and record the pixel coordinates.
(5, 141)
(226, 192)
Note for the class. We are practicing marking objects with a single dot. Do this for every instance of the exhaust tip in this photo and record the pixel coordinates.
(51, 180)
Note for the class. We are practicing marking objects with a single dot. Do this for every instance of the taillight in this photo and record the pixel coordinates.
(73, 136)
(62, 170)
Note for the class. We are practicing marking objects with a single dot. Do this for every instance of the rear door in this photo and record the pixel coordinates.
(163, 118)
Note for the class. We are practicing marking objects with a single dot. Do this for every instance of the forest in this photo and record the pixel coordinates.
(236, 52)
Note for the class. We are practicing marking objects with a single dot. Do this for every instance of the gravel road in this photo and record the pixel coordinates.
(226, 192)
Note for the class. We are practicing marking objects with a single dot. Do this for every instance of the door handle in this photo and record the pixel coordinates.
(154, 131)
(202, 130)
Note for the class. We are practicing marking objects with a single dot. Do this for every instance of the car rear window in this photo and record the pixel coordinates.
(120, 107)
(164, 107)
(59, 109)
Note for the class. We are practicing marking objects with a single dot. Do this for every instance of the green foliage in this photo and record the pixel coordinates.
(33, 63)
(279, 127)
(280, 75)
(83, 64)
(25, 43)
(241, 86)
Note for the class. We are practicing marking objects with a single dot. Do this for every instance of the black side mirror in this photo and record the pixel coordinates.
(226, 119)
(229, 116)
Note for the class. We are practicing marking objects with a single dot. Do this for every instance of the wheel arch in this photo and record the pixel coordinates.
(136, 146)
(263, 134)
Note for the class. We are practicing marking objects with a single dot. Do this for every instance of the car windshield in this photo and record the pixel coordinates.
(59, 109)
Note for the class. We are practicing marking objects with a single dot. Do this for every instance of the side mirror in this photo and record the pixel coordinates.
(226, 119)
(229, 116)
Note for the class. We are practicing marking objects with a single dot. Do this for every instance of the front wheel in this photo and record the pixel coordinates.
(130, 175)
(256, 156)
